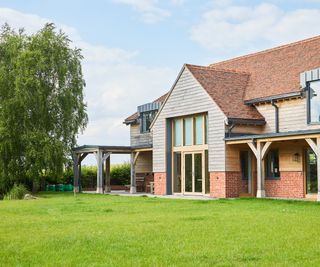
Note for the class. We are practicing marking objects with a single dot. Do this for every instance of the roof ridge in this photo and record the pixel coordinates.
(219, 69)
(268, 50)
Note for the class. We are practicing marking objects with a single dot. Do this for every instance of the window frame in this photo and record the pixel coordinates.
(192, 117)
(268, 176)
(308, 87)
(142, 114)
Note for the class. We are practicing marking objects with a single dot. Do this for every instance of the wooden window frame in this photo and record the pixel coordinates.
(309, 122)
(193, 149)
(272, 177)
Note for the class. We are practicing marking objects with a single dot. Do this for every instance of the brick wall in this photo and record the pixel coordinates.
(160, 183)
(226, 184)
(290, 185)
(233, 184)
(218, 184)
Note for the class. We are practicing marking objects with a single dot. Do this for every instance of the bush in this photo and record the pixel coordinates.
(120, 174)
(16, 192)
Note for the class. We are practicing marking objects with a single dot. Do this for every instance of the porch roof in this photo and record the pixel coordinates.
(112, 149)
(291, 135)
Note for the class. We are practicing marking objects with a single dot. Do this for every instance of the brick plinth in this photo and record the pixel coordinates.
(160, 183)
(218, 184)
(225, 184)
(290, 185)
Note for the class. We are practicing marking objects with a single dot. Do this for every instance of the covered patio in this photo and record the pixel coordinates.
(103, 155)
(292, 146)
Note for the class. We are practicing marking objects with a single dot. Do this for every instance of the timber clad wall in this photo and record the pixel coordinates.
(188, 97)
(144, 162)
(137, 138)
(292, 116)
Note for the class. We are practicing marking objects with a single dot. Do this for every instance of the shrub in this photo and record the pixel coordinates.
(18, 191)
(120, 174)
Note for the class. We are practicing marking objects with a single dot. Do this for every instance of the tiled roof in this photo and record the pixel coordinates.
(263, 74)
(276, 71)
(135, 115)
(226, 88)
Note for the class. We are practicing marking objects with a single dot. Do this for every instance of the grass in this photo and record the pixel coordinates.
(59, 229)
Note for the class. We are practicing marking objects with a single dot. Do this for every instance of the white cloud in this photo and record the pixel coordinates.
(245, 28)
(114, 85)
(151, 13)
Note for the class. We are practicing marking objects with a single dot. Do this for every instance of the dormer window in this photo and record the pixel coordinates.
(147, 113)
(146, 119)
(314, 101)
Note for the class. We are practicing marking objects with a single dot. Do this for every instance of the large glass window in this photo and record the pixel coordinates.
(314, 102)
(146, 119)
(272, 165)
(244, 159)
(198, 130)
(187, 128)
(207, 176)
(311, 166)
(177, 132)
(177, 172)
(206, 129)
(190, 130)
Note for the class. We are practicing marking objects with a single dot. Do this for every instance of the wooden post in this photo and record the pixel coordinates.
(75, 173)
(107, 178)
(98, 156)
(260, 173)
(133, 186)
(260, 152)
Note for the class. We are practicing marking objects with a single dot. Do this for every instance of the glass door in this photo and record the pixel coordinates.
(198, 177)
(188, 173)
(311, 172)
(193, 172)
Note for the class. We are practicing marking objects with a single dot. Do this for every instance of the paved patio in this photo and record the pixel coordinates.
(128, 194)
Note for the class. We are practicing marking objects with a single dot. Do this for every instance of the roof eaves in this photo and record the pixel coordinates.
(273, 98)
(241, 121)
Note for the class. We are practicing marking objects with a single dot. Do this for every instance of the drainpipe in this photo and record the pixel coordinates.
(276, 109)
(230, 129)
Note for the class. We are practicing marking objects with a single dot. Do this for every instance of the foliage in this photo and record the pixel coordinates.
(98, 230)
(18, 191)
(42, 105)
(120, 174)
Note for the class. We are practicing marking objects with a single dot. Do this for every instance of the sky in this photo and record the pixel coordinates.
(134, 49)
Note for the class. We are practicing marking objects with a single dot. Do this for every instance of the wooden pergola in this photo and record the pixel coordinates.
(102, 155)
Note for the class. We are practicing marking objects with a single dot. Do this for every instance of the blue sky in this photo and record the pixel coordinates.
(134, 49)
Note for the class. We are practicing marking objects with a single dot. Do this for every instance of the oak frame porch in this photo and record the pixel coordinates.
(103, 155)
(260, 145)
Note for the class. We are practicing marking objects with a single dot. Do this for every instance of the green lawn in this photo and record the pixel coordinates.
(96, 230)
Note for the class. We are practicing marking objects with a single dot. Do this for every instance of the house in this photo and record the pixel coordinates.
(248, 126)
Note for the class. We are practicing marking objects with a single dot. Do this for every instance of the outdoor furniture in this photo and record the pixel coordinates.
(140, 183)
(151, 186)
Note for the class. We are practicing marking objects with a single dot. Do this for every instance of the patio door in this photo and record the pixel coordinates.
(193, 174)
(311, 172)
(246, 173)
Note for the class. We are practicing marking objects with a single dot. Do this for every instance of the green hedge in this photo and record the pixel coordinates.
(119, 173)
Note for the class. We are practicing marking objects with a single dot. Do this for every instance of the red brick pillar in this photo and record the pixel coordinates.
(160, 183)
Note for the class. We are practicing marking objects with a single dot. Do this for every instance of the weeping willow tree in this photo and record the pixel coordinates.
(42, 105)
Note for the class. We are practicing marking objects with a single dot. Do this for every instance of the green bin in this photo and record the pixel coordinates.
(59, 187)
(51, 188)
(68, 187)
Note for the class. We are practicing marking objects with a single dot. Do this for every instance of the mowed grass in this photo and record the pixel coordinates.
(100, 230)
